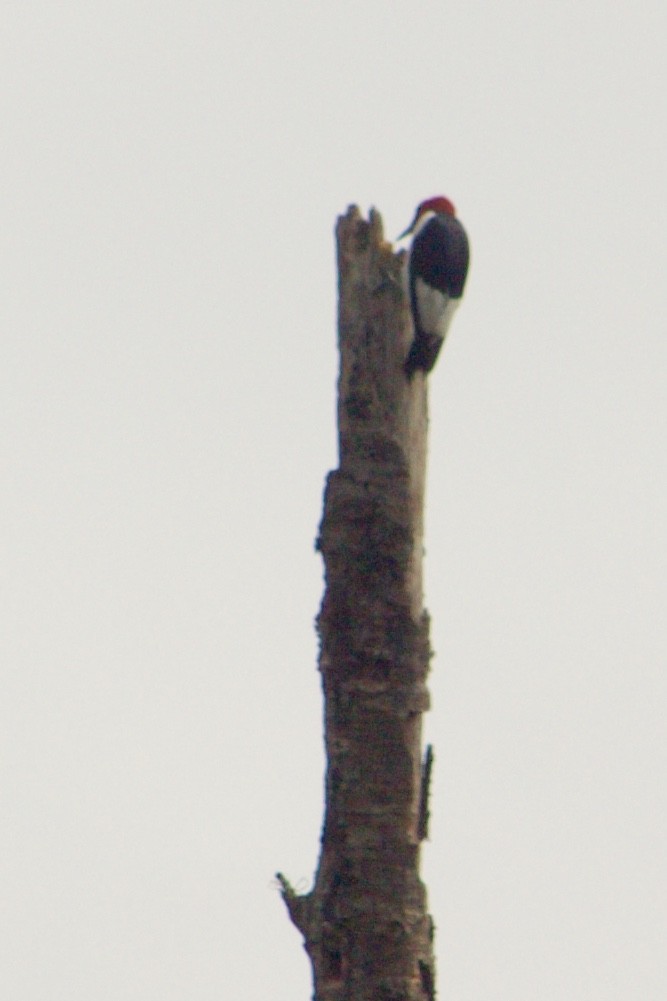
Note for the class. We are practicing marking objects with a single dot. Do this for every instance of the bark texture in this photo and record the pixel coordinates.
(365, 924)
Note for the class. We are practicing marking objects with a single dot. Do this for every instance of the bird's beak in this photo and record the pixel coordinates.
(406, 232)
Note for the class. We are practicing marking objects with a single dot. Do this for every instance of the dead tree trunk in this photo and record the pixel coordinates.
(365, 924)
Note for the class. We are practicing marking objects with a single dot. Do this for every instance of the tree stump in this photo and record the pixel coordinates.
(365, 924)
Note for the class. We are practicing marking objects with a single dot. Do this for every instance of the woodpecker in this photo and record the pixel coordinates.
(437, 269)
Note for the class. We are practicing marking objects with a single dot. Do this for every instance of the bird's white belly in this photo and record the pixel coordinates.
(435, 309)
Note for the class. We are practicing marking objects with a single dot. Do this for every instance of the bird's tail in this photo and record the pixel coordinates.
(423, 353)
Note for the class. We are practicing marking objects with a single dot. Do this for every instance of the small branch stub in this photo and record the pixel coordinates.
(365, 924)
(424, 815)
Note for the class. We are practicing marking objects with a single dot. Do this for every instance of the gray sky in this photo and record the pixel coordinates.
(171, 176)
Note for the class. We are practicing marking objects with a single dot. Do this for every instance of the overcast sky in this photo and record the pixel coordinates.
(171, 176)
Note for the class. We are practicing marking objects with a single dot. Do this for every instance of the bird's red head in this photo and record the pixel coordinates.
(438, 204)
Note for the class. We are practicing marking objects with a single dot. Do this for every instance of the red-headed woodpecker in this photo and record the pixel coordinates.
(437, 269)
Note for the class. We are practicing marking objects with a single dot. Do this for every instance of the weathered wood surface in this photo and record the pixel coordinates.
(365, 924)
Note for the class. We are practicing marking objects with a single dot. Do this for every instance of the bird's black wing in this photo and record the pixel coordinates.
(440, 255)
